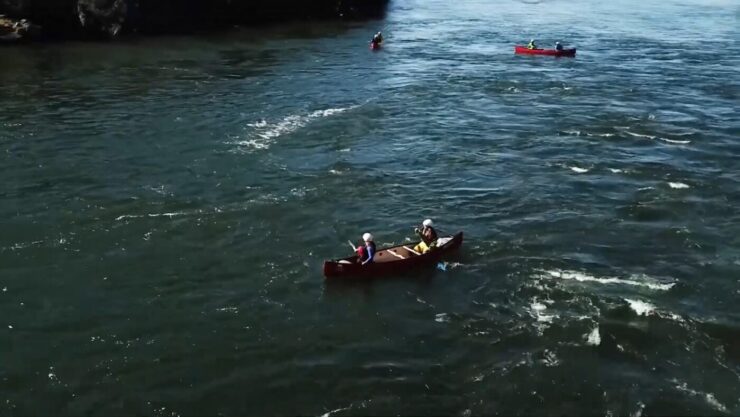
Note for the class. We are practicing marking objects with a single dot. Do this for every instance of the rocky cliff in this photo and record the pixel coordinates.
(110, 18)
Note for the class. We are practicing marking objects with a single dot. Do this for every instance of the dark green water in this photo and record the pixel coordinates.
(167, 205)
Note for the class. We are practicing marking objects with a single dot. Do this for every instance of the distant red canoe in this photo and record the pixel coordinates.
(393, 260)
(375, 45)
(518, 49)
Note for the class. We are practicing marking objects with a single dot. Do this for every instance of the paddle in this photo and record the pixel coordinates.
(354, 248)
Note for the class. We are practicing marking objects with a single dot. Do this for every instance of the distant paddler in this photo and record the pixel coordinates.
(377, 40)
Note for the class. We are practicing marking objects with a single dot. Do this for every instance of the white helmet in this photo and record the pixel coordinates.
(427, 223)
(367, 237)
(557, 43)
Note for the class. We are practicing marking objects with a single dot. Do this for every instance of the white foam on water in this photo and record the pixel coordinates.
(616, 170)
(678, 185)
(139, 216)
(252, 143)
(652, 137)
(583, 277)
(537, 310)
(441, 318)
(579, 133)
(678, 142)
(593, 338)
(638, 135)
(22, 245)
(329, 413)
(537, 306)
(579, 170)
(642, 308)
(419, 300)
(640, 408)
(264, 133)
(551, 359)
(708, 397)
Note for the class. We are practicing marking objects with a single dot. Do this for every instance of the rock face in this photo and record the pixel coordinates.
(17, 30)
(109, 18)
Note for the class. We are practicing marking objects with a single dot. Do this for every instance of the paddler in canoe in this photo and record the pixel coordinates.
(366, 250)
(531, 45)
(428, 236)
(369, 261)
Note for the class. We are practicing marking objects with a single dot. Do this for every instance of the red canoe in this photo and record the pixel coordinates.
(375, 45)
(518, 49)
(393, 260)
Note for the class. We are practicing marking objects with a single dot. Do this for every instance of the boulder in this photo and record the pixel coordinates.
(17, 30)
(102, 17)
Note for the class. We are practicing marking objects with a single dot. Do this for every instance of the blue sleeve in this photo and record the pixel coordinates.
(370, 255)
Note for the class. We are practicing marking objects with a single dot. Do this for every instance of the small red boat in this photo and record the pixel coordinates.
(375, 45)
(519, 49)
(393, 260)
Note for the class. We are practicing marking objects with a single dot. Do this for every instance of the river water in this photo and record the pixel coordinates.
(167, 204)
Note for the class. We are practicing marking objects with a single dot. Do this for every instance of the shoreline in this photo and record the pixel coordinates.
(87, 20)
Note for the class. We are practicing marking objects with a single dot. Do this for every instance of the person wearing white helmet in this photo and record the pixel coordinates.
(531, 45)
(369, 248)
(558, 46)
(428, 236)
(377, 38)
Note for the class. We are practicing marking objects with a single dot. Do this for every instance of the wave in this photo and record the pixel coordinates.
(642, 308)
(441, 318)
(22, 245)
(594, 337)
(678, 185)
(543, 320)
(579, 133)
(173, 214)
(708, 397)
(536, 309)
(579, 170)
(582, 277)
(662, 139)
(338, 410)
(633, 134)
(265, 133)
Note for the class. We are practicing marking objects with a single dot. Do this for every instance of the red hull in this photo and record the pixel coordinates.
(387, 263)
(374, 46)
(518, 49)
